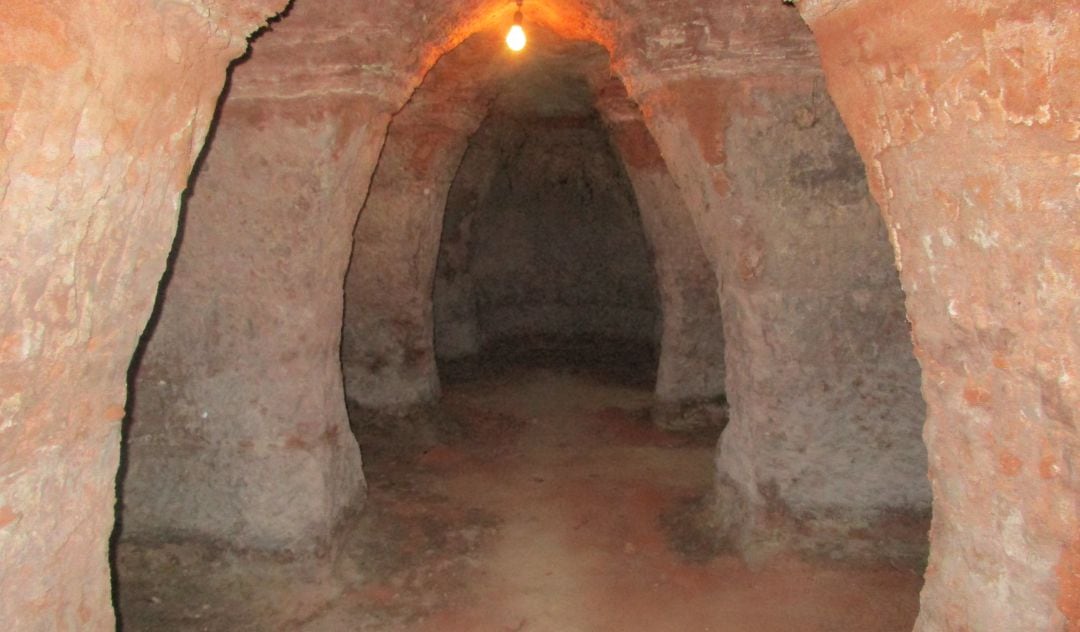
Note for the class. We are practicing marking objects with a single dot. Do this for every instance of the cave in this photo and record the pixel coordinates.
(744, 315)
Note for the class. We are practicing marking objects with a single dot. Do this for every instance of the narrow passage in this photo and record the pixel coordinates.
(536, 497)
(542, 498)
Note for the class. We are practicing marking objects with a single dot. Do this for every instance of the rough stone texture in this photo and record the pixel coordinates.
(456, 324)
(239, 430)
(823, 450)
(89, 188)
(964, 112)
(690, 375)
(712, 71)
(388, 351)
(378, 49)
(239, 433)
(556, 248)
(824, 369)
(967, 115)
(542, 238)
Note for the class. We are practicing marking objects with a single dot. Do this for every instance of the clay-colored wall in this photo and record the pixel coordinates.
(239, 432)
(555, 245)
(99, 134)
(388, 351)
(690, 373)
(456, 327)
(966, 115)
(823, 449)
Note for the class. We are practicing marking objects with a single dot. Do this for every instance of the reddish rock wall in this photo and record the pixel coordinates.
(89, 187)
(388, 351)
(967, 116)
(823, 447)
(820, 378)
(388, 354)
(239, 431)
(557, 250)
(690, 374)
(552, 82)
(457, 334)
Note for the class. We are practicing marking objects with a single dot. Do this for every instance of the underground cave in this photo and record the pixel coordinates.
(686, 316)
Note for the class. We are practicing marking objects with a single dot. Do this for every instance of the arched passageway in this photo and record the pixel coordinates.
(822, 454)
(917, 86)
(546, 244)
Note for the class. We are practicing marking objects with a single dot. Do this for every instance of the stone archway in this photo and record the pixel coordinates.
(822, 452)
(968, 159)
(105, 107)
(941, 81)
(388, 353)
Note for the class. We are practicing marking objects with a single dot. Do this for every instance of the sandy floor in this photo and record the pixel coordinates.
(545, 502)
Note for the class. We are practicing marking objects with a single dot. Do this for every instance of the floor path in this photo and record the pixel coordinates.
(543, 501)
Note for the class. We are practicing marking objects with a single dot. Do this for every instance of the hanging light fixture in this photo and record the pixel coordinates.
(516, 39)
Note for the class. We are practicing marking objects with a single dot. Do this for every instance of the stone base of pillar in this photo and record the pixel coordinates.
(690, 415)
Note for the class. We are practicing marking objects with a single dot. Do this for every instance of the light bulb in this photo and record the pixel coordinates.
(516, 39)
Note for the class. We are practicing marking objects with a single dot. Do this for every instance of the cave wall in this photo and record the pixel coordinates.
(555, 247)
(963, 113)
(832, 360)
(90, 185)
(387, 358)
(388, 355)
(816, 347)
(456, 326)
(239, 432)
(388, 348)
(966, 115)
(690, 371)
(822, 451)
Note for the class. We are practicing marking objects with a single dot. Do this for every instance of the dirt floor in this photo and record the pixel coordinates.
(532, 499)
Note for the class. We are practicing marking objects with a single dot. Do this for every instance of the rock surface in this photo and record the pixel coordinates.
(98, 135)
(554, 247)
(540, 130)
(967, 117)
(387, 354)
(690, 376)
(964, 114)
(239, 431)
(822, 451)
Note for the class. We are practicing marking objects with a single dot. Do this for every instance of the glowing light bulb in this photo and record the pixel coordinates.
(516, 39)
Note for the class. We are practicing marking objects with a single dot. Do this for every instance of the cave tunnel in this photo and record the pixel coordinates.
(684, 317)
(526, 278)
